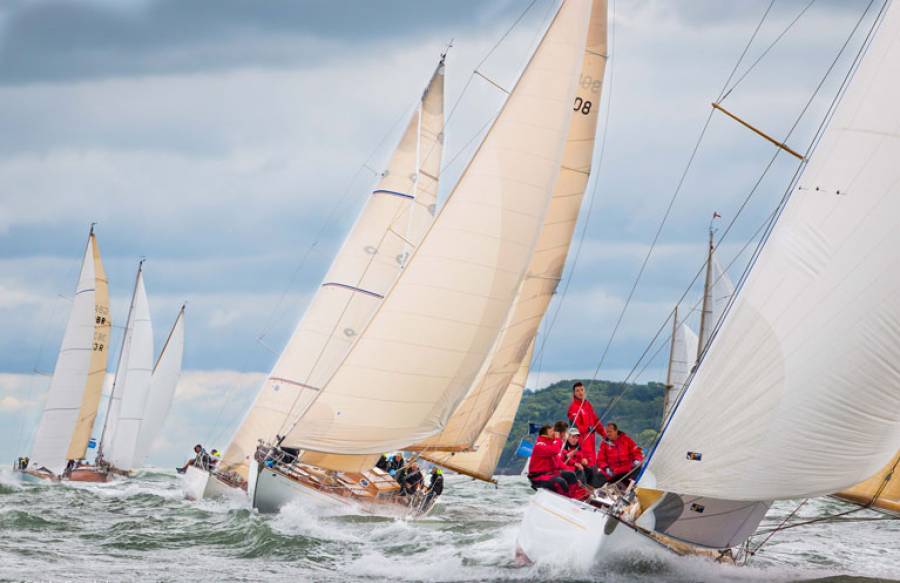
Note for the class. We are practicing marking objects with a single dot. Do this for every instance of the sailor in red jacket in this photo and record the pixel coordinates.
(575, 460)
(545, 466)
(581, 415)
(619, 456)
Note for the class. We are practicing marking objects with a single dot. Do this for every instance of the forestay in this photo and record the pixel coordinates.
(132, 384)
(392, 223)
(421, 351)
(163, 381)
(549, 258)
(798, 394)
(74, 395)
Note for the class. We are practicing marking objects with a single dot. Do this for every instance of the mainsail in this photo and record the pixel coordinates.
(74, 395)
(881, 491)
(162, 389)
(119, 443)
(392, 223)
(797, 395)
(416, 359)
(545, 269)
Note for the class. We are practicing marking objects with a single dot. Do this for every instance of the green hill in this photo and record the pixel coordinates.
(638, 413)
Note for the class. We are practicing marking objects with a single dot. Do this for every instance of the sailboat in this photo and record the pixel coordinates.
(797, 394)
(686, 346)
(397, 214)
(68, 417)
(450, 341)
(141, 393)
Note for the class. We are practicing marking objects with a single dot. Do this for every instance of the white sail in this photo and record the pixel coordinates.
(421, 351)
(799, 393)
(545, 270)
(162, 389)
(482, 461)
(74, 393)
(682, 359)
(392, 223)
(132, 384)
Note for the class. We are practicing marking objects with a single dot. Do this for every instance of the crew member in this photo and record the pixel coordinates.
(200, 460)
(435, 486)
(619, 457)
(581, 415)
(545, 467)
(412, 481)
(574, 459)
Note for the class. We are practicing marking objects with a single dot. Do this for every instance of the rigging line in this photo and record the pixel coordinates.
(672, 200)
(743, 54)
(770, 164)
(817, 137)
(766, 51)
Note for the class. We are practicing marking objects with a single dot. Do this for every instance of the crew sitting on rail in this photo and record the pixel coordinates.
(574, 459)
(214, 458)
(396, 464)
(412, 481)
(545, 467)
(22, 463)
(201, 460)
(435, 486)
(619, 457)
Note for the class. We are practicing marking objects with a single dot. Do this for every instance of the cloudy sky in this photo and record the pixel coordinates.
(232, 143)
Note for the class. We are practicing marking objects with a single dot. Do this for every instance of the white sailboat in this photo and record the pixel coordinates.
(441, 354)
(140, 396)
(74, 395)
(392, 223)
(797, 394)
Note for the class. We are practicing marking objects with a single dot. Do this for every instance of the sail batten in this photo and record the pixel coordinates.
(397, 214)
(801, 377)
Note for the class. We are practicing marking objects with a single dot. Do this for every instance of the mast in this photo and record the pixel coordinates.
(707, 322)
(126, 338)
(667, 389)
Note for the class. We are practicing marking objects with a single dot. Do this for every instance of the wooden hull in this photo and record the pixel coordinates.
(88, 474)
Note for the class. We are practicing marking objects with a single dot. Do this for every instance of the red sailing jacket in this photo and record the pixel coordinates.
(619, 455)
(544, 462)
(569, 457)
(581, 415)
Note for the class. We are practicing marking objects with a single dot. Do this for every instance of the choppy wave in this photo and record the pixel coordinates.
(143, 529)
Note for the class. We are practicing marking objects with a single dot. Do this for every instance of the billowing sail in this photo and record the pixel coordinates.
(881, 491)
(682, 358)
(392, 223)
(162, 389)
(717, 292)
(798, 393)
(65, 426)
(545, 269)
(482, 462)
(420, 353)
(132, 384)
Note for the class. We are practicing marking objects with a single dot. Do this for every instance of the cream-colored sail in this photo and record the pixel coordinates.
(682, 358)
(797, 395)
(549, 258)
(132, 384)
(392, 223)
(881, 491)
(420, 353)
(73, 397)
(482, 462)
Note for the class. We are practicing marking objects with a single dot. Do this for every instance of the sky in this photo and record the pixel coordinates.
(232, 144)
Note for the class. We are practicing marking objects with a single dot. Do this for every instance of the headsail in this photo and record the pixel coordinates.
(74, 395)
(549, 258)
(802, 377)
(162, 389)
(392, 223)
(421, 351)
(482, 462)
(132, 384)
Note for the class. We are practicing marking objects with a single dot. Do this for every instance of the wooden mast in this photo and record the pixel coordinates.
(706, 313)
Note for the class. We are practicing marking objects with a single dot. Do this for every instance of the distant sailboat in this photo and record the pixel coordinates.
(65, 426)
(797, 394)
(140, 396)
(445, 345)
(390, 226)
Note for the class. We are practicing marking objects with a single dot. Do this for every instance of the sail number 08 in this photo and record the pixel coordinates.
(582, 105)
